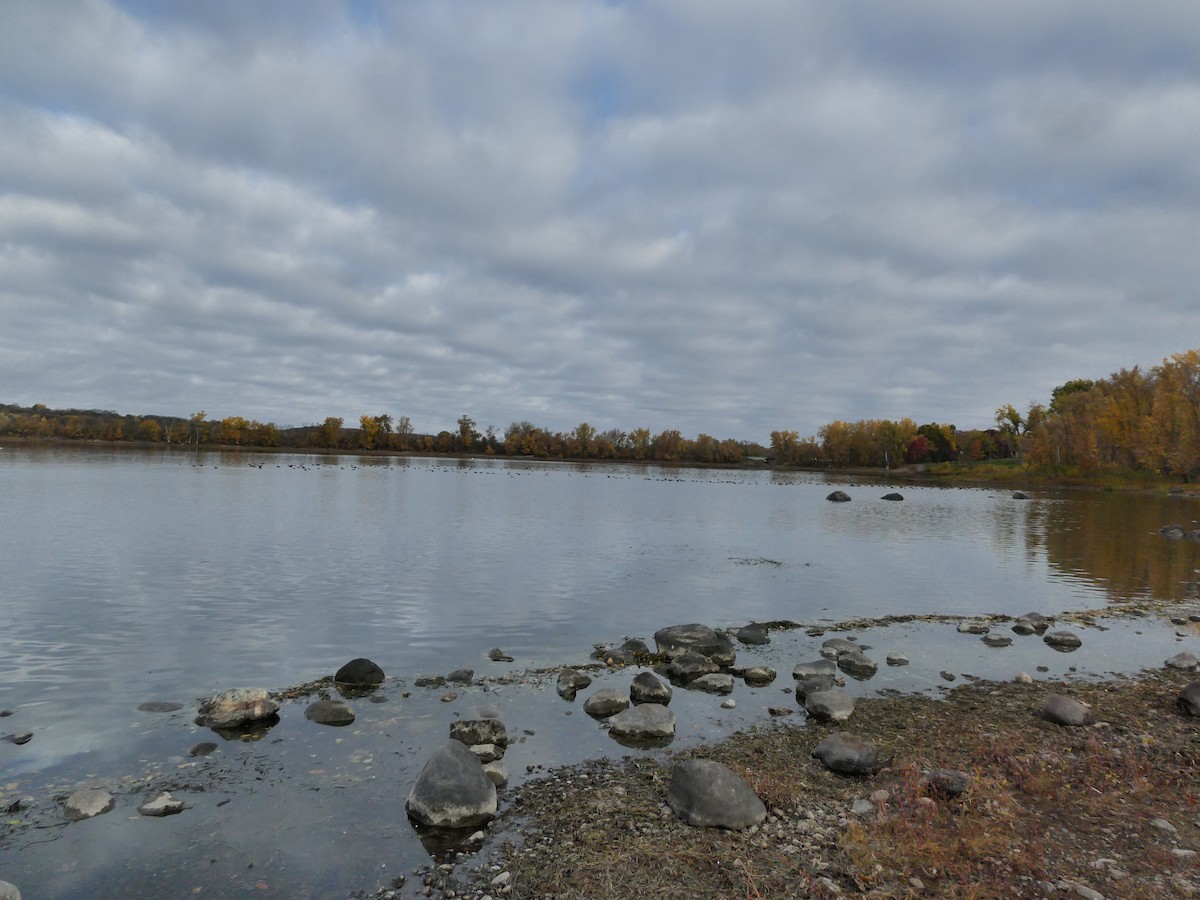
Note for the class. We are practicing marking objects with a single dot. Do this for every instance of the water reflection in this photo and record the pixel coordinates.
(1111, 540)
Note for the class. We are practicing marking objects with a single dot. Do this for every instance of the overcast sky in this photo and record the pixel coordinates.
(721, 217)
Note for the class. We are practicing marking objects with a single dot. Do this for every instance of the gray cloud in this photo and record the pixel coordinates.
(719, 218)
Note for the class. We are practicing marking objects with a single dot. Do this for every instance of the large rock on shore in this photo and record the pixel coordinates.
(675, 640)
(237, 708)
(847, 754)
(452, 791)
(1063, 710)
(707, 794)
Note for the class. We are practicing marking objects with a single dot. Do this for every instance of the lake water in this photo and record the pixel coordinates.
(131, 576)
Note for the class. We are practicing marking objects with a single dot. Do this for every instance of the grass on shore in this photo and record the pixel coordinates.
(1046, 805)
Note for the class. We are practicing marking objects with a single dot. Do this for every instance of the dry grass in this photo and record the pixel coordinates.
(1046, 803)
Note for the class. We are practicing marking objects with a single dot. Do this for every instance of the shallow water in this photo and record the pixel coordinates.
(132, 576)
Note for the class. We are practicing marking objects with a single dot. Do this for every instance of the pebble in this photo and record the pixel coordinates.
(1082, 890)
(1164, 825)
(728, 704)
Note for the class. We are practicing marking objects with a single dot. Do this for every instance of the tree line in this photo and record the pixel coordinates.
(1133, 420)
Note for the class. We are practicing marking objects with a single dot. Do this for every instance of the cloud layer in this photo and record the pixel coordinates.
(722, 218)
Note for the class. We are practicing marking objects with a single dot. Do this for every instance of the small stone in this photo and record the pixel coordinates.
(496, 771)
(21, 737)
(838, 497)
(1180, 853)
(448, 697)
(1023, 678)
(861, 807)
(162, 805)
(202, 749)
(728, 704)
(1164, 825)
(997, 640)
(715, 683)
(973, 628)
(1082, 890)
(948, 676)
(897, 659)
(87, 803)
(498, 655)
(461, 676)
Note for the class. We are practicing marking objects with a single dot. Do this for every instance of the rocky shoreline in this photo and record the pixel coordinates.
(1026, 788)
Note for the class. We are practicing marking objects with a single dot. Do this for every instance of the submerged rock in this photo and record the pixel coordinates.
(676, 640)
(1031, 623)
(838, 497)
(629, 653)
(834, 647)
(812, 684)
(329, 712)
(894, 497)
(707, 794)
(997, 640)
(452, 791)
(757, 676)
(475, 727)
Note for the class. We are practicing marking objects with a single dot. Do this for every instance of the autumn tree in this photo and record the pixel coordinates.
(466, 432)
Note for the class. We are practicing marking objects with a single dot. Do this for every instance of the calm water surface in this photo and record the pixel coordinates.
(131, 576)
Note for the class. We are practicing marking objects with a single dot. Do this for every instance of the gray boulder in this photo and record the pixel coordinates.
(570, 682)
(476, 727)
(834, 647)
(894, 497)
(646, 722)
(1064, 641)
(452, 790)
(812, 684)
(847, 754)
(629, 653)
(833, 705)
(946, 782)
(1062, 710)
(87, 803)
(238, 707)
(689, 666)
(857, 664)
(606, 702)
(707, 794)
(816, 667)
(757, 676)
(678, 639)
(1031, 623)
(1184, 661)
(838, 497)
(1188, 701)
(649, 688)
(753, 634)
(716, 683)
(329, 712)
(360, 673)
